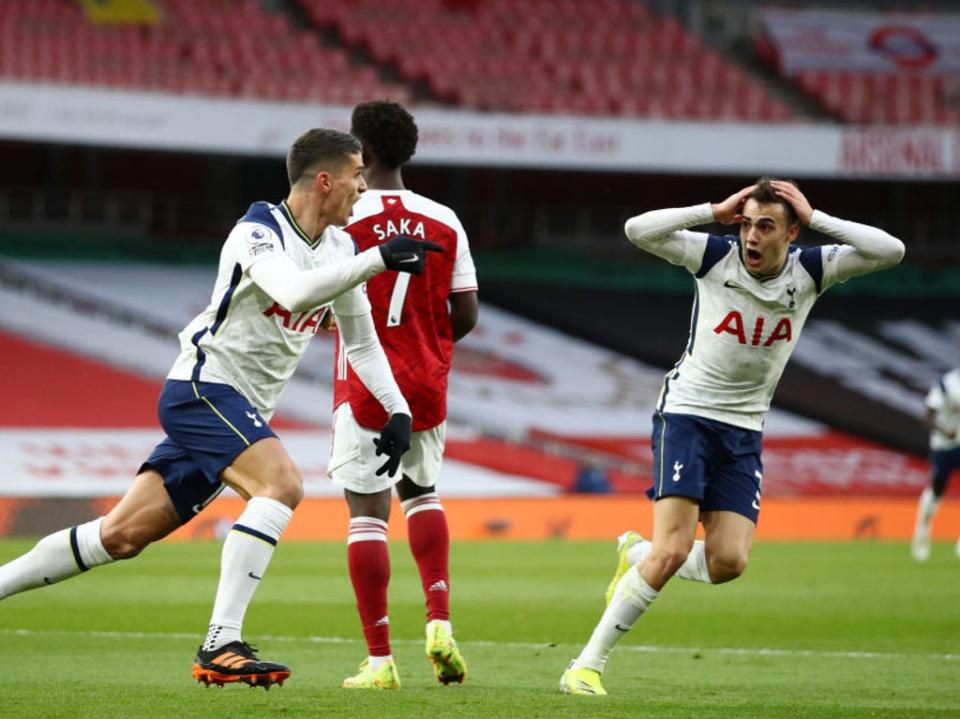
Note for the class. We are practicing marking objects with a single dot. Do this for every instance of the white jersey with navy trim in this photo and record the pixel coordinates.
(944, 400)
(244, 338)
(742, 331)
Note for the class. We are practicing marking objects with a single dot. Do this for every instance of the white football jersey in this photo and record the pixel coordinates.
(742, 330)
(944, 399)
(243, 338)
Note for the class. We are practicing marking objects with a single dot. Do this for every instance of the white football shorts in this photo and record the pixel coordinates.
(354, 463)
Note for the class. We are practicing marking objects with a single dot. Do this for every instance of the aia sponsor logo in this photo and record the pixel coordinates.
(309, 322)
(734, 324)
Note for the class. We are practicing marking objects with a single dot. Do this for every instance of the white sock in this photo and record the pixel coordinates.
(631, 599)
(376, 662)
(247, 551)
(56, 557)
(422, 503)
(695, 565)
(694, 568)
(926, 508)
(445, 623)
(639, 551)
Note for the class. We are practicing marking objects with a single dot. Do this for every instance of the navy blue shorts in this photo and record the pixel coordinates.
(714, 463)
(944, 462)
(207, 426)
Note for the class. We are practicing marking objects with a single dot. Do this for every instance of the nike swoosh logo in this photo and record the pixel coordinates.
(621, 629)
(756, 506)
(409, 259)
(254, 576)
(733, 285)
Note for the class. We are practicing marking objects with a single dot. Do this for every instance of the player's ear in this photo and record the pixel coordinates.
(322, 181)
(793, 231)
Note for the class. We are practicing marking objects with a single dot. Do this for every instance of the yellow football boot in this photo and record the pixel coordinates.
(448, 663)
(624, 542)
(583, 681)
(383, 677)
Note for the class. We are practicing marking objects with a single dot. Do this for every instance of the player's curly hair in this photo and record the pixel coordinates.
(387, 130)
(765, 194)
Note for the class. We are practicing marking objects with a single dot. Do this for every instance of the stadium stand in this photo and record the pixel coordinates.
(540, 56)
(193, 48)
(884, 98)
(535, 56)
(908, 78)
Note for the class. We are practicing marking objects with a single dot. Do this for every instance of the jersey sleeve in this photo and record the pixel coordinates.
(352, 303)
(840, 263)
(703, 252)
(251, 242)
(864, 249)
(936, 397)
(664, 233)
(464, 271)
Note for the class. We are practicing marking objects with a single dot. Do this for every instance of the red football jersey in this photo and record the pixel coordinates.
(410, 311)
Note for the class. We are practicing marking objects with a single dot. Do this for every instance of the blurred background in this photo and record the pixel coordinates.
(134, 133)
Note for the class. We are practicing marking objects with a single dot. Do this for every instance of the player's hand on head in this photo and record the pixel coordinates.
(394, 440)
(728, 211)
(791, 193)
(404, 254)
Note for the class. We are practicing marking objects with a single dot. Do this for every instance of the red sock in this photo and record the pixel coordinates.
(369, 565)
(430, 546)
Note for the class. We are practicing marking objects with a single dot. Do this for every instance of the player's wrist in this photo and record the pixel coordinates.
(376, 259)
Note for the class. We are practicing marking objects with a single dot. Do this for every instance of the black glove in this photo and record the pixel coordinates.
(405, 255)
(394, 440)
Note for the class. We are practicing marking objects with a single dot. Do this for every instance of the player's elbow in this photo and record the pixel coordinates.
(638, 231)
(464, 312)
(892, 254)
(462, 326)
(898, 252)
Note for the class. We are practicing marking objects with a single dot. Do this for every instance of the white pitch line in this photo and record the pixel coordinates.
(640, 648)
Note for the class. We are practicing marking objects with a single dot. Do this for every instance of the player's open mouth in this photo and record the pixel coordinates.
(754, 258)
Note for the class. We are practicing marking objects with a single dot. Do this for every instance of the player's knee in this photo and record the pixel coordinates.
(287, 487)
(726, 567)
(376, 505)
(122, 542)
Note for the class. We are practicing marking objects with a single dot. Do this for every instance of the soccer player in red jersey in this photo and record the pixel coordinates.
(417, 322)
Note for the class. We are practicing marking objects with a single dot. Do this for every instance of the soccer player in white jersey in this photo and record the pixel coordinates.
(418, 319)
(282, 268)
(752, 296)
(943, 421)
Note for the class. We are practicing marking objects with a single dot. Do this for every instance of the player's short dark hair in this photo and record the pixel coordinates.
(319, 148)
(386, 130)
(767, 195)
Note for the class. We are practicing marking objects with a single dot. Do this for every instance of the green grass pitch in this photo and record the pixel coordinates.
(811, 630)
